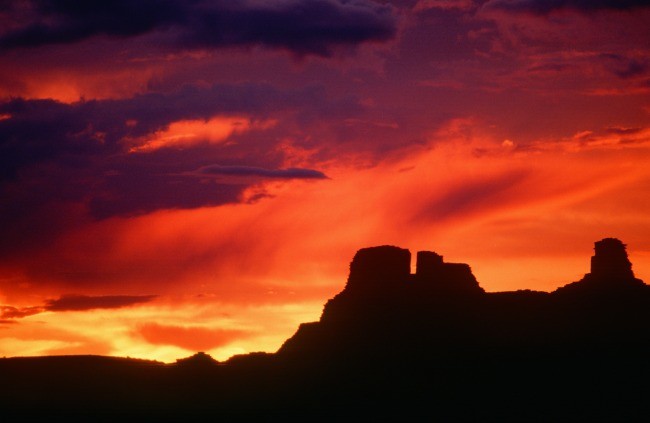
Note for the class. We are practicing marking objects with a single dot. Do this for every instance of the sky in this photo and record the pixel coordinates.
(182, 176)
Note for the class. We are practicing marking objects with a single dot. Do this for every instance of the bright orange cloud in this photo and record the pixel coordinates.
(183, 326)
(190, 338)
(185, 133)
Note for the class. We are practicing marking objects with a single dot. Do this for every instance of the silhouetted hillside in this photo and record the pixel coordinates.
(394, 345)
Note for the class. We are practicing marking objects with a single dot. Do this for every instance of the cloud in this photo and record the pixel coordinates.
(9, 312)
(248, 171)
(191, 338)
(542, 7)
(86, 302)
(626, 67)
(303, 27)
(463, 5)
(54, 22)
(38, 130)
(623, 130)
(186, 133)
(61, 164)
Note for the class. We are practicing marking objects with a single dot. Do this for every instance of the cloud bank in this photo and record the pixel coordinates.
(303, 27)
(547, 6)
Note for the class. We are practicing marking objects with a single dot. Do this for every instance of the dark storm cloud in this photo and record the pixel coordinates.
(302, 26)
(86, 302)
(290, 173)
(312, 26)
(66, 21)
(547, 6)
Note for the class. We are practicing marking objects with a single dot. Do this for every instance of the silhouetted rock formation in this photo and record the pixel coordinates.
(200, 359)
(439, 334)
(379, 270)
(384, 270)
(381, 286)
(610, 260)
(434, 276)
(611, 272)
(393, 346)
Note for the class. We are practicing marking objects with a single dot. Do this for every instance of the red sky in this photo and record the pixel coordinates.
(180, 176)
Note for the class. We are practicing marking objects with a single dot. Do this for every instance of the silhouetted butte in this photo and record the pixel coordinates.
(394, 345)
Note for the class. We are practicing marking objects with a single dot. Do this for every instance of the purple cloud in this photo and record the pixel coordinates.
(303, 27)
(246, 171)
(542, 7)
(41, 130)
(86, 302)
(51, 153)
(625, 67)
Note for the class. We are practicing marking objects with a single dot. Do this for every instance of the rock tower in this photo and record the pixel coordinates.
(610, 260)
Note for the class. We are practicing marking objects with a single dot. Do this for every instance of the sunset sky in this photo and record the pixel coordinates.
(182, 176)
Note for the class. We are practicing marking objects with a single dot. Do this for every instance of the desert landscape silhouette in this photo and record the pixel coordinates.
(183, 185)
(391, 345)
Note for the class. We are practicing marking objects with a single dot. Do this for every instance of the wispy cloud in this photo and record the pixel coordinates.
(75, 303)
(258, 172)
(87, 302)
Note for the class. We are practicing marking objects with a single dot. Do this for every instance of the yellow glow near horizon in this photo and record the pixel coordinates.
(119, 332)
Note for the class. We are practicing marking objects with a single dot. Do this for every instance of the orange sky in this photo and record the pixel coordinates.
(165, 191)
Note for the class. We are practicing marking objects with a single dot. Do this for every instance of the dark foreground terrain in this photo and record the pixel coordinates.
(391, 345)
